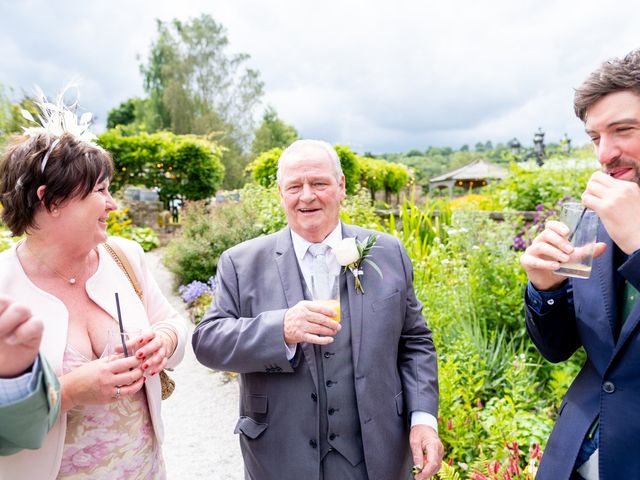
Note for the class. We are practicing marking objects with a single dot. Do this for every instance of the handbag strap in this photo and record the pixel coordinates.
(123, 262)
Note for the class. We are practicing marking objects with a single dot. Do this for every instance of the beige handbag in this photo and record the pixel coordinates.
(167, 383)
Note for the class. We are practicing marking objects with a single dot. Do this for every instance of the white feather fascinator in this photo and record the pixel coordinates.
(57, 119)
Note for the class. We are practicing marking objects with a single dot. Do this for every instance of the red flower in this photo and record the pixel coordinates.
(478, 476)
(534, 451)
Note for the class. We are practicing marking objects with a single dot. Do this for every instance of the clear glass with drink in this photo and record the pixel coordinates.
(583, 227)
(325, 289)
(118, 338)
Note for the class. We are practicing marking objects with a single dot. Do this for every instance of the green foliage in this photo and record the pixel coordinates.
(123, 114)
(11, 119)
(119, 224)
(372, 174)
(434, 162)
(5, 116)
(179, 166)
(377, 175)
(396, 178)
(528, 185)
(350, 168)
(474, 202)
(195, 85)
(447, 473)
(7, 240)
(357, 210)
(265, 204)
(131, 117)
(418, 228)
(208, 231)
(272, 133)
(264, 168)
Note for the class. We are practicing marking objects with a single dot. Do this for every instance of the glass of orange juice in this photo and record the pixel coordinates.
(325, 289)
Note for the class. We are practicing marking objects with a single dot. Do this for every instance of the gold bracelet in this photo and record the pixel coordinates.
(171, 334)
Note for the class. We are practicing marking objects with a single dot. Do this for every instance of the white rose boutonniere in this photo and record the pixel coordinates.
(350, 254)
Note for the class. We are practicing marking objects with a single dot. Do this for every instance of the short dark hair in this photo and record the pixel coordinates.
(73, 169)
(614, 75)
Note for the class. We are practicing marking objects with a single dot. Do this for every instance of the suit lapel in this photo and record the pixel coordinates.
(629, 326)
(288, 269)
(606, 277)
(356, 301)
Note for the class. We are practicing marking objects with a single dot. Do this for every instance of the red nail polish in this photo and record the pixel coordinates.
(145, 366)
(141, 341)
(153, 373)
(140, 355)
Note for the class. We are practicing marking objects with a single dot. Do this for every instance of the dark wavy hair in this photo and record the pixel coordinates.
(73, 169)
(614, 75)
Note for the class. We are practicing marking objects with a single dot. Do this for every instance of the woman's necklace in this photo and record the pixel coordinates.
(69, 280)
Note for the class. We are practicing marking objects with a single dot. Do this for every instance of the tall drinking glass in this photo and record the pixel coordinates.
(583, 227)
(325, 289)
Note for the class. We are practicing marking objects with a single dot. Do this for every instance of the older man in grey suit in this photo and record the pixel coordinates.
(321, 400)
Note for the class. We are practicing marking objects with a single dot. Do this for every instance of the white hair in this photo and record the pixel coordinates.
(299, 145)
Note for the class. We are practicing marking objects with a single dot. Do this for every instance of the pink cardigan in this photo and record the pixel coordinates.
(44, 463)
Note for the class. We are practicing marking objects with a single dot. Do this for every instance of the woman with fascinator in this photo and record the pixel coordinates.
(54, 187)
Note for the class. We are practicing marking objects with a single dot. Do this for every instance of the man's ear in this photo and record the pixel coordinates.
(281, 196)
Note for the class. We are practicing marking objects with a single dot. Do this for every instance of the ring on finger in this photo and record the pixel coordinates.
(117, 392)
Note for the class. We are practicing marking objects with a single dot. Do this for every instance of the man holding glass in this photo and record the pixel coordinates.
(598, 426)
(323, 400)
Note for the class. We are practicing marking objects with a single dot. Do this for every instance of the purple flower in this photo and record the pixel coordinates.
(192, 291)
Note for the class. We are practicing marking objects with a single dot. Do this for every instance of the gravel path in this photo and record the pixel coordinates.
(200, 415)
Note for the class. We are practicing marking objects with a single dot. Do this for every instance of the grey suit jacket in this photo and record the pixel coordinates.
(393, 355)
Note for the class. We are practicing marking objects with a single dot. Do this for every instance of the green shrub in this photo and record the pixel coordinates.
(350, 168)
(357, 210)
(209, 231)
(528, 185)
(179, 166)
(264, 168)
(119, 224)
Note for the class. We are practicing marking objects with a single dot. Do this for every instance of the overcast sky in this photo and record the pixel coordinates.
(380, 76)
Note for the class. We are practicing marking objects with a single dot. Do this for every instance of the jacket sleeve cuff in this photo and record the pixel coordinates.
(542, 302)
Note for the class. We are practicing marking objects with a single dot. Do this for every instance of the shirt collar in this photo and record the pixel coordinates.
(300, 245)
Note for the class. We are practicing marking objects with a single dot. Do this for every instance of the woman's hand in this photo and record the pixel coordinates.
(101, 381)
(156, 347)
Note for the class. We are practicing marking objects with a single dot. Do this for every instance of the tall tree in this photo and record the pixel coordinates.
(196, 86)
(272, 133)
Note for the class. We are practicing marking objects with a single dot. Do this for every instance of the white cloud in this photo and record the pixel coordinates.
(378, 75)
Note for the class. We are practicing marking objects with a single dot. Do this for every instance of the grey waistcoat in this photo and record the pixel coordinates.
(338, 408)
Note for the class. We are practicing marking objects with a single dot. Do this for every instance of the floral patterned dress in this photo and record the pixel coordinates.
(114, 441)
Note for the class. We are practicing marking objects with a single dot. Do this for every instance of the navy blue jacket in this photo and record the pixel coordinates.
(584, 313)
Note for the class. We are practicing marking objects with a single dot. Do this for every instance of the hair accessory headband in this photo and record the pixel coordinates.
(57, 119)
